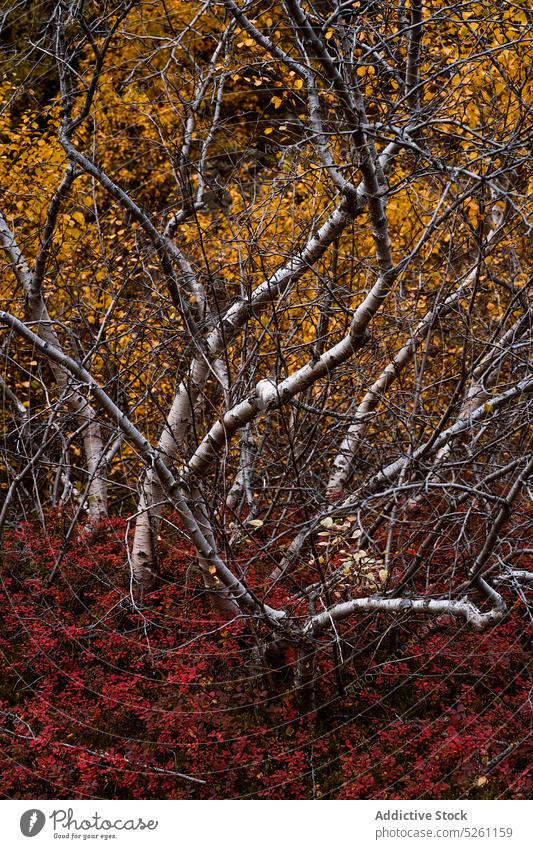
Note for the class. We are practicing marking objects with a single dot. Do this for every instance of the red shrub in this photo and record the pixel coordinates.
(103, 699)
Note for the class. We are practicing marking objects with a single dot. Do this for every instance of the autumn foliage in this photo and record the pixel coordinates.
(265, 330)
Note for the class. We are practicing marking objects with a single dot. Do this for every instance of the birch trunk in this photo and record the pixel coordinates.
(237, 591)
(482, 380)
(180, 418)
(93, 444)
(174, 441)
(242, 484)
(343, 464)
(235, 588)
(268, 395)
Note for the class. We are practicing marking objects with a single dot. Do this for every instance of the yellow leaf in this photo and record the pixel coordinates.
(256, 523)
(277, 101)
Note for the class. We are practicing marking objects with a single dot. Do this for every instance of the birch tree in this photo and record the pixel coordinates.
(286, 250)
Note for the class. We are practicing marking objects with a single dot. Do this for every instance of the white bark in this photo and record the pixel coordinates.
(233, 588)
(482, 380)
(268, 394)
(463, 608)
(180, 418)
(8, 395)
(412, 87)
(242, 483)
(236, 591)
(520, 575)
(343, 465)
(390, 473)
(221, 335)
(93, 444)
(173, 442)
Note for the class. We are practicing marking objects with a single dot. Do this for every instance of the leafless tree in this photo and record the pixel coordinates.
(343, 387)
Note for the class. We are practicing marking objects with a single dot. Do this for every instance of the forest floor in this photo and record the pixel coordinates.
(103, 698)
